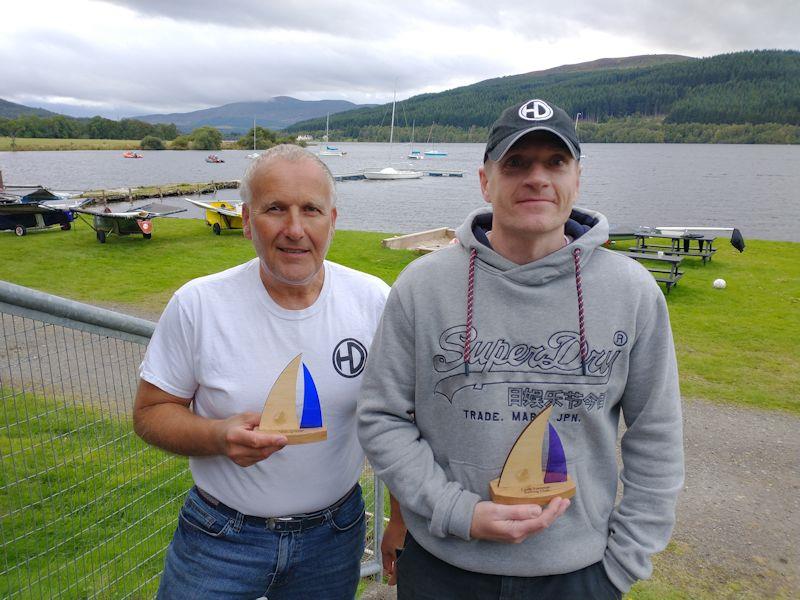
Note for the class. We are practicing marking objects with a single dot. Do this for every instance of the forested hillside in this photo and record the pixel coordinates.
(756, 87)
(11, 110)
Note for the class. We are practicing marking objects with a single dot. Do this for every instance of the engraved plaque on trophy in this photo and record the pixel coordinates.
(523, 480)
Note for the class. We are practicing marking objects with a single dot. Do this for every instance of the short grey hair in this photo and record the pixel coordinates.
(287, 152)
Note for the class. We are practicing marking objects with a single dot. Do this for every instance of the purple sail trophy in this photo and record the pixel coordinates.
(556, 469)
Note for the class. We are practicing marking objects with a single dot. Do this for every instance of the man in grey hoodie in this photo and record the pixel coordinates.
(527, 311)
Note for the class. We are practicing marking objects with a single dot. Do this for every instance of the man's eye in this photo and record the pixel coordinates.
(513, 162)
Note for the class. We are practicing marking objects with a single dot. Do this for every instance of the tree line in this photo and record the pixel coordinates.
(634, 130)
(62, 127)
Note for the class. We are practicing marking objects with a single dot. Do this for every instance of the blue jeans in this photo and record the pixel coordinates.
(217, 552)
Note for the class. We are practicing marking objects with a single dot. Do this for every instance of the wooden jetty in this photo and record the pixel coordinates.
(360, 175)
(159, 191)
(189, 189)
(444, 173)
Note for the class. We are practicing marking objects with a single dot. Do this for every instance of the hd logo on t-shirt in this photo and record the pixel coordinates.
(349, 358)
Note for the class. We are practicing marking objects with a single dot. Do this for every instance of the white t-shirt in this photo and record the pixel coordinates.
(223, 341)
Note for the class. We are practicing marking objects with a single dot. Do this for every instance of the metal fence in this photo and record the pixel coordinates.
(86, 508)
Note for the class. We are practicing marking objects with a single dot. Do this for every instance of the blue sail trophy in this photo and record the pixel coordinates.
(280, 409)
(522, 480)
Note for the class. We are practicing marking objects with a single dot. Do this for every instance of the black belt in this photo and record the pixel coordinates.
(290, 523)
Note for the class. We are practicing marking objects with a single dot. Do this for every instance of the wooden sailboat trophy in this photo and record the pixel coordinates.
(522, 480)
(280, 410)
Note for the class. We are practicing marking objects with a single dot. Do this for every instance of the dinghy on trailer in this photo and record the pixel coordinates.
(135, 221)
(220, 215)
(34, 208)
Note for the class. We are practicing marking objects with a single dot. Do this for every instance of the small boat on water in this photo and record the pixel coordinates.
(414, 154)
(433, 151)
(254, 155)
(213, 158)
(330, 150)
(390, 173)
(131, 154)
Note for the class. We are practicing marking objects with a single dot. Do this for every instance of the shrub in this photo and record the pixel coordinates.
(151, 142)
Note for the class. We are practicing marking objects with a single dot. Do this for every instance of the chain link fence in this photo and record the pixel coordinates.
(86, 508)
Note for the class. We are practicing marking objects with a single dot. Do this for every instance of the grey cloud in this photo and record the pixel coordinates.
(361, 53)
(686, 24)
(678, 25)
(174, 76)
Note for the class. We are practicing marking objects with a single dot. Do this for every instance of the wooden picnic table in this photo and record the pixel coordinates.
(680, 245)
(667, 273)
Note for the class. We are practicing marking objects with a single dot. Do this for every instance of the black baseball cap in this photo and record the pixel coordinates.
(522, 119)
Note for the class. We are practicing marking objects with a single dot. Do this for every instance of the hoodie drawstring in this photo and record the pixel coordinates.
(470, 300)
(576, 255)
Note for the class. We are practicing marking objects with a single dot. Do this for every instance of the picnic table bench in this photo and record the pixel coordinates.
(667, 272)
(679, 245)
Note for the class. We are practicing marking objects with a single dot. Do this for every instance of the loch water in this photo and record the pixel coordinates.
(753, 187)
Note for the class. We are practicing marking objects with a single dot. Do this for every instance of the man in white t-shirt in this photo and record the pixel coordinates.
(265, 518)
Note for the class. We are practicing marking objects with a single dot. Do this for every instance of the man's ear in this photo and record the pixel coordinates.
(484, 182)
(246, 221)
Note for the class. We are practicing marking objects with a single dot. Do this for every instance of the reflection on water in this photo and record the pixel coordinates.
(752, 187)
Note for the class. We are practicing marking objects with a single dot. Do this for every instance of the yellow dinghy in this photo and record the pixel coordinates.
(220, 215)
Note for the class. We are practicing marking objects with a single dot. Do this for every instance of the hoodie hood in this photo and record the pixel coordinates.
(591, 229)
(588, 228)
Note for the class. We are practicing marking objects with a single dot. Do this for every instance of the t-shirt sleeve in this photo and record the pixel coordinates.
(169, 362)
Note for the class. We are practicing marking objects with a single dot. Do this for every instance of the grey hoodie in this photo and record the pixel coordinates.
(437, 435)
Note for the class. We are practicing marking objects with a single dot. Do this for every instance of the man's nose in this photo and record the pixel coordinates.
(294, 225)
(537, 174)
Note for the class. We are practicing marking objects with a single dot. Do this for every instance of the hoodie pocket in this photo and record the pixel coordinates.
(591, 502)
(472, 477)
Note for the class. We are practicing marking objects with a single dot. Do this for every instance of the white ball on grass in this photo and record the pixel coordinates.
(719, 284)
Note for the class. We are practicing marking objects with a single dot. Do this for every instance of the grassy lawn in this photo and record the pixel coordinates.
(23, 144)
(87, 506)
(735, 345)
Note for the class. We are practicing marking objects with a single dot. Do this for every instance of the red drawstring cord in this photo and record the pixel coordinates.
(470, 299)
(576, 255)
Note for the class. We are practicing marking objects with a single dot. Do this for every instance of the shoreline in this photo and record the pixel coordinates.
(78, 145)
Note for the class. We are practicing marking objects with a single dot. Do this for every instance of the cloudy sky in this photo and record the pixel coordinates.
(126, 57)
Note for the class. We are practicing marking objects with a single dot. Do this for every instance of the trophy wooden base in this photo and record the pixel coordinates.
(301, 436)
(531, 494)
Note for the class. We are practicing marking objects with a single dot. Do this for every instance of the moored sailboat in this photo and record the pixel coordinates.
(388, 173)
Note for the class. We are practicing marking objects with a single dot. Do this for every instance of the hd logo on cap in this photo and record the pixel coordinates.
(535, 110)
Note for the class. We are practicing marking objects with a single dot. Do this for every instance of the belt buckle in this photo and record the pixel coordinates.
(274, 523)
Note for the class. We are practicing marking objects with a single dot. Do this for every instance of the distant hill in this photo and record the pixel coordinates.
(755, 87)
(275, 113)
(11, 110)
(604, 64)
